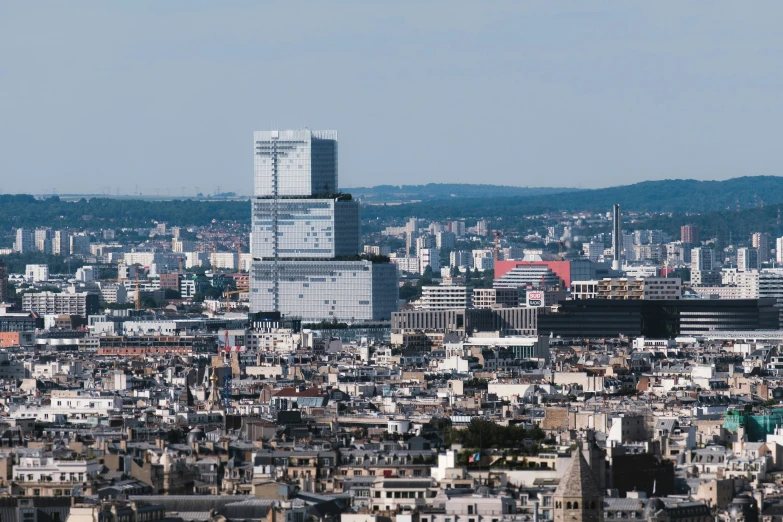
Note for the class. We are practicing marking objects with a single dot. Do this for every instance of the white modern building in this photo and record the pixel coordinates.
(446, 297)
(36, 273)
(747, 259)
(429, 257)
(305, 235)
(702, 258)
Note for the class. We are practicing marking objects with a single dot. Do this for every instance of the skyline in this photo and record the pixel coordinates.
(568, 95)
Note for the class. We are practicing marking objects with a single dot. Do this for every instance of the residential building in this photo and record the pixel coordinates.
(429, 257)
(445, 240)
(80, 244)
(461, 259)
(51, 303)
(3, 283)
(113, 293)
(483, 259)
(61, 243)
(689, 234)
(760, 241)
(702, 258)
(25, 240)
(446, 297)
(43, 240)
(495, 297)
(36, 273)
(747, 259)
(648, 288)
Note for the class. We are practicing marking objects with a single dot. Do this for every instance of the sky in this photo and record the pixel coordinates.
(162, 97)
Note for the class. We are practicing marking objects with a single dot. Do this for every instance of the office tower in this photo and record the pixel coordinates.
(616, 237)
(25, 240)
(305, 235)
(747, 259)
(760, 241)
(3, 282)
(689, 234)
(702, 258)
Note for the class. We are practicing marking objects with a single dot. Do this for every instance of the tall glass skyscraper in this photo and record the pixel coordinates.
(305, 235)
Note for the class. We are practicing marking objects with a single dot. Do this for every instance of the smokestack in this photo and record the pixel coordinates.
(617, 238)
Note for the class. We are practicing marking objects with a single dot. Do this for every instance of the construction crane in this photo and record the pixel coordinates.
(228, 294)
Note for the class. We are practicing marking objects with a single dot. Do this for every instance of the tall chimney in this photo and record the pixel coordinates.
(617, 238)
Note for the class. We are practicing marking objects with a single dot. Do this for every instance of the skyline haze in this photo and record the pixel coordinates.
(104, 98)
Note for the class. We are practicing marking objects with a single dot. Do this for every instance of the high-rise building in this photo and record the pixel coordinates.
(616, 238)
(747, 258)
(43, 240)
(3, 283)
(779, 250)
(702, 258)
(43, 303)
(303, 230)
(689, 234)
(61, 243)
(445, 240)
(80, 244)
(760, 241)
(25, 240)
(429, 257)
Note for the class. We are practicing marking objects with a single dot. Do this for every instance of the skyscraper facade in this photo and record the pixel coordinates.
(305, 235)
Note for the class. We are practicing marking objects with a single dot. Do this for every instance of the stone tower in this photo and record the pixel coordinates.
(578, 498)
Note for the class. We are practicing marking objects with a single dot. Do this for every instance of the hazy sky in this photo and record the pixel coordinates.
(98, 96)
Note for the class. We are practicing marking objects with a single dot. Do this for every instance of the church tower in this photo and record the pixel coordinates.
(578, 498)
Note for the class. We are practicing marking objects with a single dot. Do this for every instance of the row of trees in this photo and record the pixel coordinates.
(486, 434)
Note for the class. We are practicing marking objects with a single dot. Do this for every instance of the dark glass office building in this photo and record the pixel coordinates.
(598, 318)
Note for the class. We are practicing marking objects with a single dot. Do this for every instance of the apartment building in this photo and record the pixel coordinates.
(51, 303)
(649, 288)
(446, 297)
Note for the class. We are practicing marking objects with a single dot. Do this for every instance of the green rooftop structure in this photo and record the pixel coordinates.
(757, 425)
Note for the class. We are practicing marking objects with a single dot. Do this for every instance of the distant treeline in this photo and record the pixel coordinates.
(27, 211)
(736, 206)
